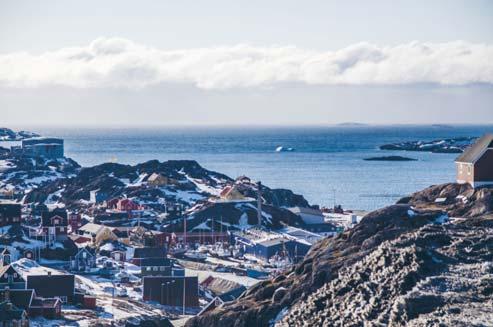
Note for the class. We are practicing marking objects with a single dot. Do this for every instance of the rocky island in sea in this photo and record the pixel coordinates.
(389, 158)
(450, 145)
(7, 134)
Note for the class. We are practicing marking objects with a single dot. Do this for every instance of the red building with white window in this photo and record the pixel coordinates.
(54, 225)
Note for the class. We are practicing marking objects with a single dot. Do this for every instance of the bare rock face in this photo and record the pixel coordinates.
(435, 274)
(458, 200)
(401, 265)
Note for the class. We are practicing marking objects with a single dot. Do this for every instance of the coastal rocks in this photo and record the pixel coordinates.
(457, 200)
(391, 269)
(238, 216)
(6, 134)
(21, 173)
(452, 145)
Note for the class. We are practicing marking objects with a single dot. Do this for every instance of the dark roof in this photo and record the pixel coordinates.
(274, 241)
(144, 262)
(10, 269)
(233, 294)
(149, 252)
(45, 303)
(47, 215)
(323, 227)
(472, 153)
(20, 298)
(52, 285)
(10, 312)
(10, 209)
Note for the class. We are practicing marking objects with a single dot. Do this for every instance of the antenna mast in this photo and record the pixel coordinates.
(259, 204)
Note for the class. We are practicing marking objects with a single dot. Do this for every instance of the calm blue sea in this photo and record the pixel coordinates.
(327, 160)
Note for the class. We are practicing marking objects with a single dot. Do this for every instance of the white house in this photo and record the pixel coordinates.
(309, 215)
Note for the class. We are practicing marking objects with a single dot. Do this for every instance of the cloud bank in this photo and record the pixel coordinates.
(117, 62)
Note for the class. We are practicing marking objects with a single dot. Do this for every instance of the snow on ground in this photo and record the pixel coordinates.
(202, 187)
(28, 267)
(51, 198)
(6, 164)
(180, 195)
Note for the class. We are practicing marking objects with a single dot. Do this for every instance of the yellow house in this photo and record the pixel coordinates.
(159, 180)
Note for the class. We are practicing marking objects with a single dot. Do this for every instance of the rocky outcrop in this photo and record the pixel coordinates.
(453, 145)
(237, 216)
(6, 134)
(458, 200)
(390, 158)
(392, 269)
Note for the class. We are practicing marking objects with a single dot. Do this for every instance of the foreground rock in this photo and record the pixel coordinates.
(399, 266)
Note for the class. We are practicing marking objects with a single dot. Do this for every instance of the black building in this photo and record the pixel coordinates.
(10, 213)
(53, 286)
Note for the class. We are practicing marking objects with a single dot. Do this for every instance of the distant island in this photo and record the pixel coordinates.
(452, 145)
(442, 126)
(6, 134)
(352, 124)
(390, 158)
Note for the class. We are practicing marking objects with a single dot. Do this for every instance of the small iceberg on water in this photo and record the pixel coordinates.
(283, 149)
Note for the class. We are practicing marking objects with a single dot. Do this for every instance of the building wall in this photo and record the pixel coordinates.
(10, 214)
(465, 173)
(483, 170)
(45, 147)
(312, 219)
(172, 293)
(156, 271)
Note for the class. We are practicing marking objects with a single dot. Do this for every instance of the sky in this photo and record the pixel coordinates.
(245, 62)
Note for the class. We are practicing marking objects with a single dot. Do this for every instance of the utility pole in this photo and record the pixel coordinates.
(335, 203)
(184, 278)
(259, 204)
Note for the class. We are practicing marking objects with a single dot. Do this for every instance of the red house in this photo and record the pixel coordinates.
(74, 221)
(127, 205)
(54, 225)
(111, 204)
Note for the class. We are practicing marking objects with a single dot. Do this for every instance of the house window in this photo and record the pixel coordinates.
(62, 229)
(148, 268)
(155, 268)
(469, 169)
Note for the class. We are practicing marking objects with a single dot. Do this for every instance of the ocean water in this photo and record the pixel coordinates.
(327, 165)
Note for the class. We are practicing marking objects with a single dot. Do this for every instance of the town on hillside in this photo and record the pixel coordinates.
(154, 243)
(151, 243)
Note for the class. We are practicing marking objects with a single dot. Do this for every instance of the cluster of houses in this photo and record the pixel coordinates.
(22, 298)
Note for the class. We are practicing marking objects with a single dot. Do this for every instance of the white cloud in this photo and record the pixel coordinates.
(114, 62)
